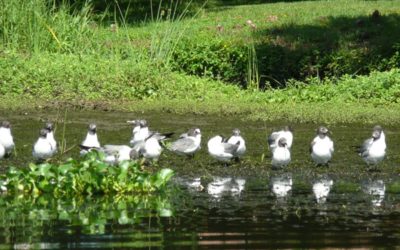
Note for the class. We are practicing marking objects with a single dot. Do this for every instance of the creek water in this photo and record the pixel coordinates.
(244, 205)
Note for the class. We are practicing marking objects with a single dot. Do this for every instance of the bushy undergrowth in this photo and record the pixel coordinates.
(88, 176)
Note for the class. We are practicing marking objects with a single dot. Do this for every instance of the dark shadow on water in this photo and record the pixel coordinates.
(331, 47)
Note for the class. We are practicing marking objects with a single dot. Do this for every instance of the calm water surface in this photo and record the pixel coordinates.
(211, 206)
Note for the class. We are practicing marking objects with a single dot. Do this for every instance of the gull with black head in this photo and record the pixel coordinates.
(50, 136)
(141, 133)
(236, 138)
(373, 150)
(274, 138)
(281, 154)
(91, 141)
(42, 149)
(321, 148)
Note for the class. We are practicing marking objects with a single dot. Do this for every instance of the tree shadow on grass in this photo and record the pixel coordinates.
(332, 46)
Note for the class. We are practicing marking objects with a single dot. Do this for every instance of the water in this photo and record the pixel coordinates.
(209, 205)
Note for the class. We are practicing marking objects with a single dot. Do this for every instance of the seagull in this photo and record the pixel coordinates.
(221, 150)
(281, 154)
(321, 147)
(150, 148)
(50, 136)
(373, 150)
(117, 153)
(91, 141)
(42, 149)
(321, 189)
(141, 133)
(189, 144)
(237, 138)
(273, 139)
(6, 138)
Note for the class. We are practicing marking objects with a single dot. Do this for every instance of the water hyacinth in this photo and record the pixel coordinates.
(90, 175)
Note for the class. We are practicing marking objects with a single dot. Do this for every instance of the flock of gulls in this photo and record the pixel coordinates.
(149, 145)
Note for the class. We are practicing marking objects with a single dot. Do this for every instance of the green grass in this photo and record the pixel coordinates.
(49, 81)
(292, 40)
(61, 57)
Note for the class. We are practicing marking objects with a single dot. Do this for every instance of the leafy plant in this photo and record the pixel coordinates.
(88, 176)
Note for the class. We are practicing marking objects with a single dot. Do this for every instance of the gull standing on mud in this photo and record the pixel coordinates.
(281, 154)
(221, 150)
(140, 131)
(321, 148)
(117, 153)
(150, 148)
(50, 136)
(373, 150)
(42, 149)
(273, 139)
(6, 138)
(189, 144)
(91, 141)
(236, 138)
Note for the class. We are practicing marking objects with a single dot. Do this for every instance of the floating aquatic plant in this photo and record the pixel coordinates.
(87, 176)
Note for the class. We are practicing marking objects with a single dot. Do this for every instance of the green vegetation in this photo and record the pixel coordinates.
(277, 60)
(88, 176)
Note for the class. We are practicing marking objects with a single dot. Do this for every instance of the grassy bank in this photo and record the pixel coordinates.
(54, 57)
(52, 81)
